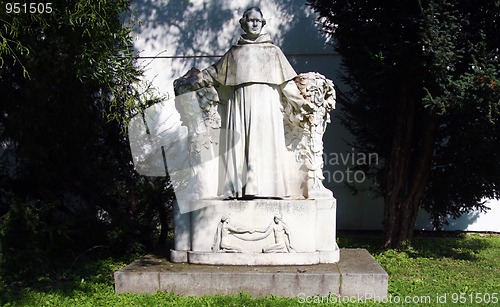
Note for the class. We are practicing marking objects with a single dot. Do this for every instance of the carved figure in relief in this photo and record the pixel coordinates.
(282, 241)
(278, 228)
(222, 240)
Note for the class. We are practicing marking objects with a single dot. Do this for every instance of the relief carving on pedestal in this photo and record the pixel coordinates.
(223, 240)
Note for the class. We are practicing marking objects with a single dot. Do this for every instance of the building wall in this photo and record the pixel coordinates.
(175, 35)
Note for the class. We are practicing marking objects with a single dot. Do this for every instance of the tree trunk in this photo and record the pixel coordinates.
(162, 209)
(161, 206)
(407, 169)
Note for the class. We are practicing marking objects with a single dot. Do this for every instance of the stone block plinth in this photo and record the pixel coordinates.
(357, 275)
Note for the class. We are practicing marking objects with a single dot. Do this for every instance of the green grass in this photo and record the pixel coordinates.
(456, 267)
(461, 269)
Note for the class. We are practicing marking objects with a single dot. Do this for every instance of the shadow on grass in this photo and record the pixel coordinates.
(369, 240)
(455, 245)
(63, 278)
(68, 275)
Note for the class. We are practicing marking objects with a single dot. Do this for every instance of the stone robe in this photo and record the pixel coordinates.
(255, 158)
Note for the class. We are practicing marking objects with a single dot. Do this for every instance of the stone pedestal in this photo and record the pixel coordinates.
(357, 276)
(310, 224)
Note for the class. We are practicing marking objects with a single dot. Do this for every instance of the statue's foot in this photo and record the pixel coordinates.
(269, 197)
(227, 196)
(251, 197)
(247, 197)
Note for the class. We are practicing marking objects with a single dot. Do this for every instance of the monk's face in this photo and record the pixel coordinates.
(253, 24)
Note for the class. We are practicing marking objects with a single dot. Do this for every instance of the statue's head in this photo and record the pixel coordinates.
(225, 219)
(278, 218)
(252, 22)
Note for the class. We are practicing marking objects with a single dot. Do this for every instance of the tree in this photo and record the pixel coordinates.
(424, 95)
(69, 83)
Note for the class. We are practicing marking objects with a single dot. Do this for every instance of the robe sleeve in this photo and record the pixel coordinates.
(208, 76)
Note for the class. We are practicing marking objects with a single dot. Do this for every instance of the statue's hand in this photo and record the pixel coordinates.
(193, 72)
(188, 82)
(260, 230)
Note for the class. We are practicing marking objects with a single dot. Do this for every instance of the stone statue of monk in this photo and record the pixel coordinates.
(259, 79)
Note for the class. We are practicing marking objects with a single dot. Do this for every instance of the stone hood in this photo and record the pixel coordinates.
(258, 61)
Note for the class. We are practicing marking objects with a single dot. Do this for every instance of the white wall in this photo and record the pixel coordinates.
(176, 35)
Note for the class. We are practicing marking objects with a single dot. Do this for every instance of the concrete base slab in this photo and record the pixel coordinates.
(356, 275)
(362, 276)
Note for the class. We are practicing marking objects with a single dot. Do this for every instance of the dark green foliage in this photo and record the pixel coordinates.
(424, 95)
(466, 97)
(68, 86)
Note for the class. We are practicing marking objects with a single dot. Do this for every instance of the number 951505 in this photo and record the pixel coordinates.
(28, 8)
